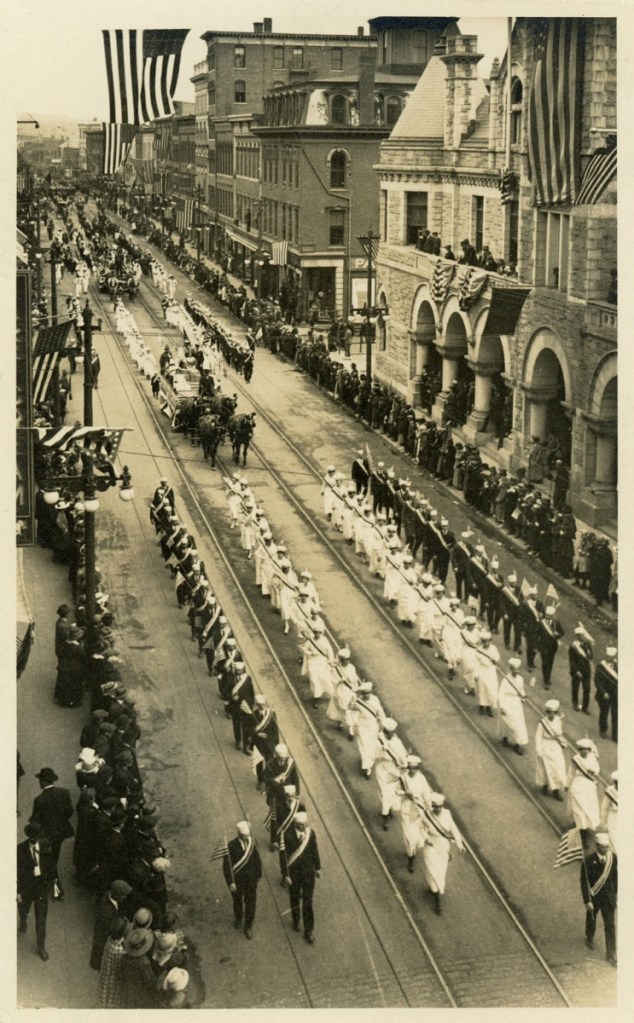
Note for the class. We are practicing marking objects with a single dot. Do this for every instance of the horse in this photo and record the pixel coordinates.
(240, 429)
(212, 434)
(223, 406)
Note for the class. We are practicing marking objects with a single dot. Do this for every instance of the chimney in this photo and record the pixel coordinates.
(268, 26)
(360, 31)
(367, 66)
(257, 28)
(460, 60)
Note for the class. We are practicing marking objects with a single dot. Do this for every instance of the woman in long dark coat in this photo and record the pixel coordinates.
(69, 688)
(84, 847)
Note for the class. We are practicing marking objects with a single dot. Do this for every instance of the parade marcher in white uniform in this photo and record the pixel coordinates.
(247, 528)
(288, 587)
(264, 563)
(610, 809)
(318, 656)
(451, 641)
(378, 546)
(439, 605)
(550, 765)
(486, 674)
(470, 644)
(327, 490)
(345, 683)
(408, 598)
(337, 499)
(368, 721)
(426, 609)
(306, 580)
(349, 512)
(583, 801)
(391, 762)
(393, 562)
(441, 832)
(511, 697)
(279, 557)
(415, 795)
(234, 501)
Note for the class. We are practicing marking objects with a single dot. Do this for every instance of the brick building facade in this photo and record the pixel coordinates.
(440, 171)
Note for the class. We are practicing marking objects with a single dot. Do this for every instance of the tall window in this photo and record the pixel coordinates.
(336, 58)
(416, 215)
(477, 221)
(239, 56)
(517, 92)
(278, 57)
(212, 94)
(240, 91)
(337, 221)
(419, 46)
(338, 169)
(552, 244)
(297, 57)
(338, 109)
(392, 111)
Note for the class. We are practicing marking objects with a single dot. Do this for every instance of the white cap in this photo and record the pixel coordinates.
(413, 761)
(306, 574)
(444, 521)
(365, 687)
(470, 620)
(512, 578)
(614, 776)
(243, 828)
(515, 662)
(301, 817)
(438, 588)
(260, 700)
(553, 705)
(281, 750)
(584, 743)
(550, 611)
(437, 799)
(485, 634)
(610, 651)
(390, 724)
(467, 533)
(290, 790)
(602, 838)
(330, 468)
(343, 652)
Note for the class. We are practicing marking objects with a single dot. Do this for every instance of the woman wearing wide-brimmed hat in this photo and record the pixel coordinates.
(137, 975)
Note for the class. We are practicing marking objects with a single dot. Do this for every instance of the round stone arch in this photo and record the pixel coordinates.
(491, 350)
(451, 316)
(601, 438)
(422, 334)
(548, 391)
(604, 389)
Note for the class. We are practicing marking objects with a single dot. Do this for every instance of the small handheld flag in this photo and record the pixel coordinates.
(570, 848)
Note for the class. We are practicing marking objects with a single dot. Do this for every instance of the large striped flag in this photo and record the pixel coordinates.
(220, 851)
(370, 245)
(142, 71)
(100, 441)
(554, 110)
(47, 352)
(279, 251)
(117, 143)
(598, 174)
(570, 848)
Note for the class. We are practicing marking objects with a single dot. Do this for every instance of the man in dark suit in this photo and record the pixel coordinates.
(53, 809)
(550, 632)
(579, 658)
(36, 873)
(242, 869)
(599, 890)
(302, 868)
(606, 681)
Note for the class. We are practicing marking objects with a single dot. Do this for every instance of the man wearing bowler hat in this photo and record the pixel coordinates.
(53, 809)
(36, 873)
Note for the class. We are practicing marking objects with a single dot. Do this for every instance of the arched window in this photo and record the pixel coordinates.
(517, 93)
(338, 109)
(392, 111)
(338, 164)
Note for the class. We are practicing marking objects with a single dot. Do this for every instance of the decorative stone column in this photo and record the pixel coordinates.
(538, 396)
(422, 343)
(597, 503)
(477, 420)
(450, 357)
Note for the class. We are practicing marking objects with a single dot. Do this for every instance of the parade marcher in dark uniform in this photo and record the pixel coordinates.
(600, 570)
(53, 809)
(599, 883)
(550, 632)
(461, 554)
(278, 772)
(606, 683)
(301, 858)
(579, 658)
(264, 736)
(530, 617)
(242, 869)
(360, 473)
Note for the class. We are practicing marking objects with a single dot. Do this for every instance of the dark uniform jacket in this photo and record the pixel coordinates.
(245, 872)
(590, 873)
(28, 884)
(307, 863)
(53, 809)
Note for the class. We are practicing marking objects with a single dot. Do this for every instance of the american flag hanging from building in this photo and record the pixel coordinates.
(117, 142)
(99, 441)
(370, 246)
(598, 174)
(279, 253)
(554, 110)
(470, 283)
(184, 214)
(441, 279)
(47, 352)
(142, 72)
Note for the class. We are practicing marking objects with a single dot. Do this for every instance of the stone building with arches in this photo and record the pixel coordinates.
(528, 337)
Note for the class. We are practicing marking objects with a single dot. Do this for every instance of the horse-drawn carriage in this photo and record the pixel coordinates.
(177, 388)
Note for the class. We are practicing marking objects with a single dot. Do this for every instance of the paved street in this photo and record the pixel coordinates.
(202, 785)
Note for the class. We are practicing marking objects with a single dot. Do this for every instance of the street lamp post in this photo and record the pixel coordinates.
(89, 330)
(366, 242)
(88, 484)
(198, 245)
